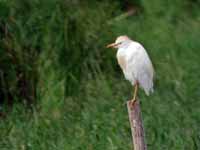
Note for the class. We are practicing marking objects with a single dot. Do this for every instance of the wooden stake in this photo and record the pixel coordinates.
(137, 130)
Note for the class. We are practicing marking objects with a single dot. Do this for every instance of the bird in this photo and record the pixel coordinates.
(135, 63)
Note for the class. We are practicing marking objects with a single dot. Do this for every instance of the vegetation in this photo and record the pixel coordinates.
(53, 59)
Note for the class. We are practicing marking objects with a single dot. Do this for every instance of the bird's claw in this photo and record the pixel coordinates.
(133, 101)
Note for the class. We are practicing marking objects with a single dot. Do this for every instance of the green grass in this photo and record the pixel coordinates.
(95, 117)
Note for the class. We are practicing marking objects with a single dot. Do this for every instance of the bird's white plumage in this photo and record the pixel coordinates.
(135, 63)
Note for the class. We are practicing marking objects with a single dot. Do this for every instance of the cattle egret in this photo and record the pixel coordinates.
(135, 64)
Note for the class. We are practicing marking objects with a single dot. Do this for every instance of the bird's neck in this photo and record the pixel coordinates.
(125, 45)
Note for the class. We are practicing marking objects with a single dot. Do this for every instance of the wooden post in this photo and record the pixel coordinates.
(137, 130)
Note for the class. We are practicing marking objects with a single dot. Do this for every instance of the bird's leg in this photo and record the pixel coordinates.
(135, 93)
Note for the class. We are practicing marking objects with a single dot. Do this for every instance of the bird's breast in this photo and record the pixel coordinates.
(121, 58)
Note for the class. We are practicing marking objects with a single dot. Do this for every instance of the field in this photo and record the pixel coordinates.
(81, 92)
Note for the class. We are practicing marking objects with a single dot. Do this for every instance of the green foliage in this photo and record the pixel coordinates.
(70, 38)
(59, 47)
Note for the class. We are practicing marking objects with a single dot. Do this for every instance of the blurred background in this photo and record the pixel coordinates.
(61, 89)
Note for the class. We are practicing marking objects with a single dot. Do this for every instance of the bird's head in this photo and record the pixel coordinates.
(120, 41)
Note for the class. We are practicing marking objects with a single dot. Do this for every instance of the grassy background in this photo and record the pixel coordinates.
(58, 47)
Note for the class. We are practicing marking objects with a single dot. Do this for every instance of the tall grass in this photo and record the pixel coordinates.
(68, 33)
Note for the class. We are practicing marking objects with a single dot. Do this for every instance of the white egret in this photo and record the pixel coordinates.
(135, 64)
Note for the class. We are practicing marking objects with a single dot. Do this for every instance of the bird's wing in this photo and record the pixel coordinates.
(141, 67)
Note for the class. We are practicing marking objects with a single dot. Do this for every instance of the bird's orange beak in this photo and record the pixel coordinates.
(112, 45)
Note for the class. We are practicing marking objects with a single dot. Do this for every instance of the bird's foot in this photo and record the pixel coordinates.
(133, 101)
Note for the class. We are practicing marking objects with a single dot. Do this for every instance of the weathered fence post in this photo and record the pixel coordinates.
(137, 129)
